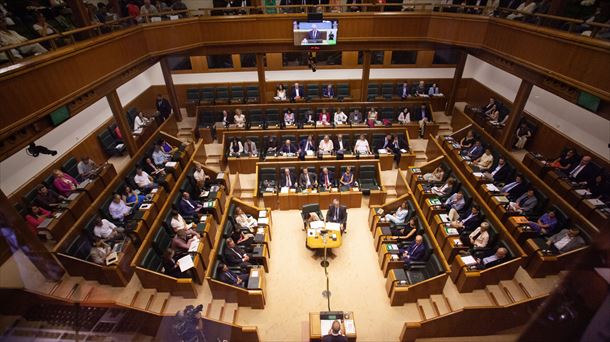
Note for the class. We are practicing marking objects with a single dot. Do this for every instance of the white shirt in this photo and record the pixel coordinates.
(139, 124)
(340, 145)
(404, 117)
(104, 230)
(362, 146)
(199, 175)
(118, 210)
(142, 180)
(563, 242)
(577, 170)
(178, 223)
(340, 118)
(240, 120)
(326, 146)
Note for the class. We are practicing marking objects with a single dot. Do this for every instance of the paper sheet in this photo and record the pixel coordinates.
(185, 263)
(469, 260)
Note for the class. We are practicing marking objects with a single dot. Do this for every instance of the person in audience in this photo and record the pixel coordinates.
(64, 183)
(599, 187)
(565, 241)
(178, 5)
(372, 117)
(397, 147)
(475, 151)
(326, 145)
(182, 241)
(164, 108)
(99, 252)
(272, 145)
(523, 133)
(235, 256)
(566, 161)
(500, 173)
(525, 7)
(229, 277)
(148, 9)
(444, 190)
(139, 123)
(297, 92)
(308, 180)
(423, 116)
(404, 117)
(289, 119)
(236, 148)
(87, 168)
(328, 92)
(405, 232)
(336, 333)
(434, 90)
(288, 147)
(250, 148)
(340, 145)
(200, 177)
(399, 216)
(42, 27)
(309, 118)
(484, 162)
(337, 213)
(170, 266)
(584, 171)
(327, 179)
(347, 179)
(324, 118)
(479, 238)
(307, 146)
(226, 119)
(287, 179)
(132, 197)
(166, 147)
(514, 189)
(420, 89)
(546, 224)
(340, 117)
(362, 145)
(189, 207)
(467, 141)
(435, 176)
(159, 156)
(243, 238)
(493, 116)
(118, 209)
(107, 231)
(415, 252)
(454, 205)
(239, 118)
(48, 198)
(386, 144)
(495, 259)
(355, 117)
(403, 91)
(143, 180)
(10, 37)
(179, 223)
(469, 220)
(491, 105)
(280, 93)
(150, 168)
(35, 217)
(525, 203)
(244, 220)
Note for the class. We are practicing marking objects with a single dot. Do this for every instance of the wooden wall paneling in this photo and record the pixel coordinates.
(366, 69)
(349, 59)
(274, 60)
(197, 63)
(516, 113)
(262, 81)
(425, 58)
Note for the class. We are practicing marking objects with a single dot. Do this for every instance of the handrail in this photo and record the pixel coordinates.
(343, 9)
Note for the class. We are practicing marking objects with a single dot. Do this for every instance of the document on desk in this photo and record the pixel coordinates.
(382, 151)
(316, 224)
(583, 192)
(333, 226)
(170, 165)
(262, 213)
(469, 260)
(263, 220)
(145, 206)
(350, 327)
(478, 174)
(284, 190)
(194, 246)
(325, 325)
(596, 202)
(492, 187)
(185, 263)
(444, 218)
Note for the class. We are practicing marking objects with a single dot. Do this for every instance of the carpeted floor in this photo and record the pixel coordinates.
(296, 280)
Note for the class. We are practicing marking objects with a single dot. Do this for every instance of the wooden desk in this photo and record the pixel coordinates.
(316, 241)
(315, 333)
(256, 279)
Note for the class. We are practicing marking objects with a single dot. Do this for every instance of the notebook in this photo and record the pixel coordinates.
(262, 213)
(469, 260)
(194, 246)
(263, 220)
(72, 196)
(185, 263)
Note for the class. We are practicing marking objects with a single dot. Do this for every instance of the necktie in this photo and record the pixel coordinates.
(237, 253)
(327, 180)
(336, 213)
(288, 183)
(231, 276)
(576, 170)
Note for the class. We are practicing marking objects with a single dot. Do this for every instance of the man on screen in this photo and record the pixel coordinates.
(314, 35)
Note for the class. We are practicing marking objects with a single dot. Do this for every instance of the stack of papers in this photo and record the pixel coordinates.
(263, 220)
(284, 190)
(469, 260)
(333, 226)
(435, 201)
(203, 218)
(502, 199)
(478, 174)
(316, 224)
(391, 247)
(154, 191)
(583, 192)
(262, 213)
(452, 231)
(194, 246)
(457, 242)
(145, 206)
(444, 218)
(171, 165)
(185, 263)
(492, 187)
(382, 151)
(416, 170)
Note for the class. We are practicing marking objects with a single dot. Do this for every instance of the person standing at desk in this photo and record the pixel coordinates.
(337, 213)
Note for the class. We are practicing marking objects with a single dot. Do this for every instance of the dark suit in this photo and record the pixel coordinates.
(293, 93)
(330, 93)
(230, 278)
(385, 144)
(588, 172)
(475, 152)
(470, 222)
(422, 113)
(164, 108)
(502, 174)
(288, 149)
(515, 191)
(234, 256)
(314, 35)
(416, 252)
(284, 181)
(303, 146)
(186, 209)
(403, 92)
(345, 145)
(337, 215)
(303, 180)
(331, 179)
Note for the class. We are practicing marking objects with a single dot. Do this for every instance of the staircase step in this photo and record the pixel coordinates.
(441, 303)
(214, 310)
(84, 290)
(513, 291)
(530, 286)
(453, 296)
(498, 295)
(159, 302)
(101, 294)
(67, 287)
(143, 299)
(427, 307)
(229, 312)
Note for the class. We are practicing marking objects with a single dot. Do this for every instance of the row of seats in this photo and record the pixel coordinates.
(111, 141)
(211, 95)
(391, 91)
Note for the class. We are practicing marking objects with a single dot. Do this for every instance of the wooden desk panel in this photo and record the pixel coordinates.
(315, 333)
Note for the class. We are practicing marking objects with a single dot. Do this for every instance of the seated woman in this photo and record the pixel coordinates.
(445, 189)
(347, 179)
(467, 141)
(133, 198)
(372, 117)
(239, 118)
(493, 116)
(362, 146)
(99, 252)
(484, 162)
(289, 119)
(166, 147)
(523, 133)
(280, 93)
(399, 216)
(406, 232)
(244, 220)
(566, 161)
(170, 266)
(152, 169)
(272, 145)
(178, 223)
(404, 117)
(324, 118)
(35, 217)
(435, 176)
(236, 148)
(340, 117)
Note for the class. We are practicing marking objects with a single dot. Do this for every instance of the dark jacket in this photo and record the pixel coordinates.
(339, 217)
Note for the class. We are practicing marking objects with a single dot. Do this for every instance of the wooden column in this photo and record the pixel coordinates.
(516, 113)
(366, 69)
(457, 78)
(171, 90)
(262, 82)
(121, 120)
(18, 236)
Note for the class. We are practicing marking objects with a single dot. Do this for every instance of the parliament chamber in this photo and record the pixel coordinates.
(188, 170)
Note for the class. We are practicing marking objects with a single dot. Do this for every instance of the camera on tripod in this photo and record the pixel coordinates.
(34, 150)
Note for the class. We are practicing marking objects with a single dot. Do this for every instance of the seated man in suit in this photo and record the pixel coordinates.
(235, 256)
(475, 151)
(328, 92)
(495, 259)
(308, 180)
(229, 277)
(478, 238)
(398, 144)
(188, 207)
(498, 174)
(297, 92)
(340, 145)
(469, 220)
(287, 179)
(327, 180)
(386, 144)
(454, 204)
(48, 198)
(514, 189)
(337, 213)
(403, 91)
(566, 240)
(524, 204)
(288, 147)
(415, 252)
(583, 172)
(307, 146)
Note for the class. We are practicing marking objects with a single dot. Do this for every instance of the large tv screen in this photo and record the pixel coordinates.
(309, 33)
(588, 101)
(60, 115)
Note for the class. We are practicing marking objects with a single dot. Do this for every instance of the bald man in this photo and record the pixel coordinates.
(584, 171)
